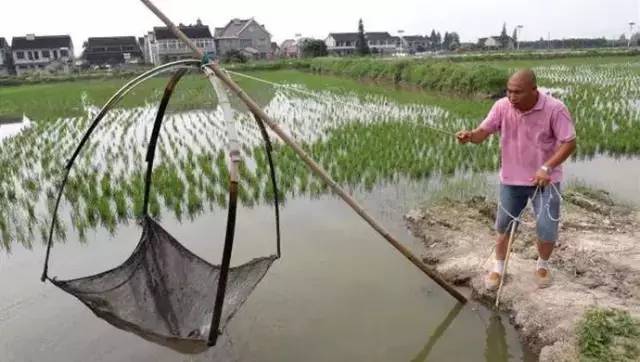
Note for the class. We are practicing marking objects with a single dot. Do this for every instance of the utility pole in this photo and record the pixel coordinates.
(519, 32)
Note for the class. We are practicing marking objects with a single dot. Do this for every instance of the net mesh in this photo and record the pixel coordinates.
(165, 293)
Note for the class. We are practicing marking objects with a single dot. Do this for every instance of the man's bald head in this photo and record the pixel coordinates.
(522, 89)
(526, 76)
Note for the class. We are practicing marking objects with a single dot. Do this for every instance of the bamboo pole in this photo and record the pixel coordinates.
(506, 261)
(303, 155)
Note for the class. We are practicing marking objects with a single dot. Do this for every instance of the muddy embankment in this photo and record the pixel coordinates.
(596, 263)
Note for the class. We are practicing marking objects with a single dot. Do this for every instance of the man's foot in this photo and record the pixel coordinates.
(543, 278)
(492, 281)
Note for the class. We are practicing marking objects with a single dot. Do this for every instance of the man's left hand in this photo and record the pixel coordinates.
(542, 178)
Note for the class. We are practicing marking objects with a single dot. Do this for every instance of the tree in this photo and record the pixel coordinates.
(433, 39)
(515, 34)
(454, 41)
(446, 41)
(438, 40)
(635, 39)
(312, 48)
(234, 56)
(362, 48)
(504, 37)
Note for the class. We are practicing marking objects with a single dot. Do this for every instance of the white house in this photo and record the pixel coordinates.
(51, 53)
(346, 43)
(162, 46)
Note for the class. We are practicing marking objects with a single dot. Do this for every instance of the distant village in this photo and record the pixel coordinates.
(245, 37)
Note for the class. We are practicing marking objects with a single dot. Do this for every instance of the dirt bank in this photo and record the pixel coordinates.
(597, 263)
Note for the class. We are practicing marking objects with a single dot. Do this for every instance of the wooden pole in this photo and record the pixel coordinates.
(303, 155)
(506, 261)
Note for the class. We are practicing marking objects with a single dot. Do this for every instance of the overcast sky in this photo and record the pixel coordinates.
(284, 18)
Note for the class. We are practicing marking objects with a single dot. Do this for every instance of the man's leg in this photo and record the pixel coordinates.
(511, 202)
(547, 207)
(545, 248)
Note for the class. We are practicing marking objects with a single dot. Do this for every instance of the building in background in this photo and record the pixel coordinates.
(378, 42)
(162, 46)
(50, 53)
(246, 36)
(113, 51)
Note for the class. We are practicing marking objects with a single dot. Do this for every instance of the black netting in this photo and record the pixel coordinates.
(165, 293)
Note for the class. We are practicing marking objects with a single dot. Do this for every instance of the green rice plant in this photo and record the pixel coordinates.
(107, 218)
(121, 204)
(194, 204)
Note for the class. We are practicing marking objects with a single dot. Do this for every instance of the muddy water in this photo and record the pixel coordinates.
(339, 293)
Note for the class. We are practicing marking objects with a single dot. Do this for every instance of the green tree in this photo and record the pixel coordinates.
(446, 41)
(362, 48)
(504, 37)
(433, 38)
(312, 48)
(454, 41)
(234, 56)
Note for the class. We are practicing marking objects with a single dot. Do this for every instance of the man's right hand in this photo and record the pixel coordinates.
(464, 136)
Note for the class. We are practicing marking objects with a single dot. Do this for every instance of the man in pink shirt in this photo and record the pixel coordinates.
(536, 136)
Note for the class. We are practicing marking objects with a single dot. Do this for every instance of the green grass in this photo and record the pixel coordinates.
(50, 101)
(469, 80)
(608, 335)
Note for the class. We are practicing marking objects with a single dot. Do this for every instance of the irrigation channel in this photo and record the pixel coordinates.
(339, 292)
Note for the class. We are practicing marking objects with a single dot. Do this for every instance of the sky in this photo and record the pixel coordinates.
(284, 19)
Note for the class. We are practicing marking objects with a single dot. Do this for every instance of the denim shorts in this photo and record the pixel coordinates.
(546, 204)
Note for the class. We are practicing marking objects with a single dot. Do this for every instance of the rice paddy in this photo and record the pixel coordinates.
(363, 138)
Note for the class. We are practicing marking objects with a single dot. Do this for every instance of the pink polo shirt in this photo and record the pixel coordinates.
(529, 139)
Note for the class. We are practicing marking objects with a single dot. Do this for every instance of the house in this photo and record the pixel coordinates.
(382, 42)
(414, 43)
(341, 43)
(346, 43)
(6, 66)
(51, 53)
(494, 42)
(289, 49)
(162, 46)
(244, 35)
(112, 50)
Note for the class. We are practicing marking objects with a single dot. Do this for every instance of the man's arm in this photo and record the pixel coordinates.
(564, 151)
(476, 136)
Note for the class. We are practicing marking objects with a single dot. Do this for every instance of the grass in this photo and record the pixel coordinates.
(467, 80)
(50, 101)
(608, 335)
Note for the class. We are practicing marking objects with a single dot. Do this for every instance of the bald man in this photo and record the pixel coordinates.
(536, 136)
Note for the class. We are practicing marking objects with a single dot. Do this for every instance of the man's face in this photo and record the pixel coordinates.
(521, 93)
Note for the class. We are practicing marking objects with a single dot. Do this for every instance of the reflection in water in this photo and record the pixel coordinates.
(438, 332)
(496, 348)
